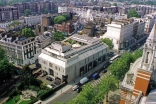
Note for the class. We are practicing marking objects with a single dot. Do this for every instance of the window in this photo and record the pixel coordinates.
(56, 67)
(50, 64)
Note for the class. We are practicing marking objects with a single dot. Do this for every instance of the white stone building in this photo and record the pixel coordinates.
(124, 32)
(33, 20)
(22, 50)
(62, 9)
(73, 57)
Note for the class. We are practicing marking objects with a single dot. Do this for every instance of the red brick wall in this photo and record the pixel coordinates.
(142, 81)
(122, 102)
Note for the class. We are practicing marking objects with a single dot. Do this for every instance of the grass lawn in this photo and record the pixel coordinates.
(25, 102)
(12, 101)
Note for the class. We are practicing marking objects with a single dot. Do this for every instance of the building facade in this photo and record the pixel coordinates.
(8, 13)
(33, 20)
(136, 82)
(22, 50)
(67, 27)
(73, 57)
(124, 32)
(62, 9)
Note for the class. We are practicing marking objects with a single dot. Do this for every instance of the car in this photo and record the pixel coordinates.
(57, 83)
(49, 78)
(79, 90)
(75, 87)
(52, 85)
(104, 71)
(43, 74)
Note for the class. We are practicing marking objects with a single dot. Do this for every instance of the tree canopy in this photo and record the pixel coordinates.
(46, 11)
(27, 12)
(27, 32)
(2, 53)
(132, 13)
(114, 4)
(108, 42)
(120, 67)
(6, 69)
(14, 23)
(60, 19)
(58, 36)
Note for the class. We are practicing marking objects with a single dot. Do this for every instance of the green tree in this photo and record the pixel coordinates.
(2, 53)
(58, 36)
(6, 69)
(27, 32)
(59, 19)
(46, 11)
(108, 84)
(108, 42)
(132, 13)
(26, 75)
(120, 67)
(27, 12)
(114, 4)
(137, 54)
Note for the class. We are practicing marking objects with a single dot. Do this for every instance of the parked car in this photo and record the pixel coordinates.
(95, 76)
(52, 85)
(84, 80)
(57, 83)
(104, 71)
(49, 78)
(75, 87)
(43, 74)
(79, 90)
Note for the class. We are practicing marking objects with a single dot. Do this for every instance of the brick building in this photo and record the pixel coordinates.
(35, 7)
(8, 13)
(67, 27)
(135, 85)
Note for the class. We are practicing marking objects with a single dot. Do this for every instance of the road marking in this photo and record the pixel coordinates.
(3, 93)
(11, 86)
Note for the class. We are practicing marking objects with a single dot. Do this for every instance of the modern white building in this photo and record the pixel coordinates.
(62, 9)
(33, 20)
(124, 32)
(73, 57)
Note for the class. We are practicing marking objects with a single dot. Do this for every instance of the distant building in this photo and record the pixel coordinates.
(8, 13)
(124, 32)
(33, 20)
(67, 27)
(72, 60)
(62, 9)
(46, 20)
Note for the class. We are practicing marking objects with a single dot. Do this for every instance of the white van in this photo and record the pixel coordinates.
(84, 80)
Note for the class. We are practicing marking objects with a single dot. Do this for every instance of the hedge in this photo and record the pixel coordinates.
(33, 100)
(50, 92)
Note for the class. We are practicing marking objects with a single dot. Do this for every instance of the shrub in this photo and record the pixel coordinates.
(37, 89)
(32, 87)
(33, 100)
(26, 87)
(46, 94)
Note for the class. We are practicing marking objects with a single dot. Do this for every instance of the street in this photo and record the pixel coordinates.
(8, 89)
